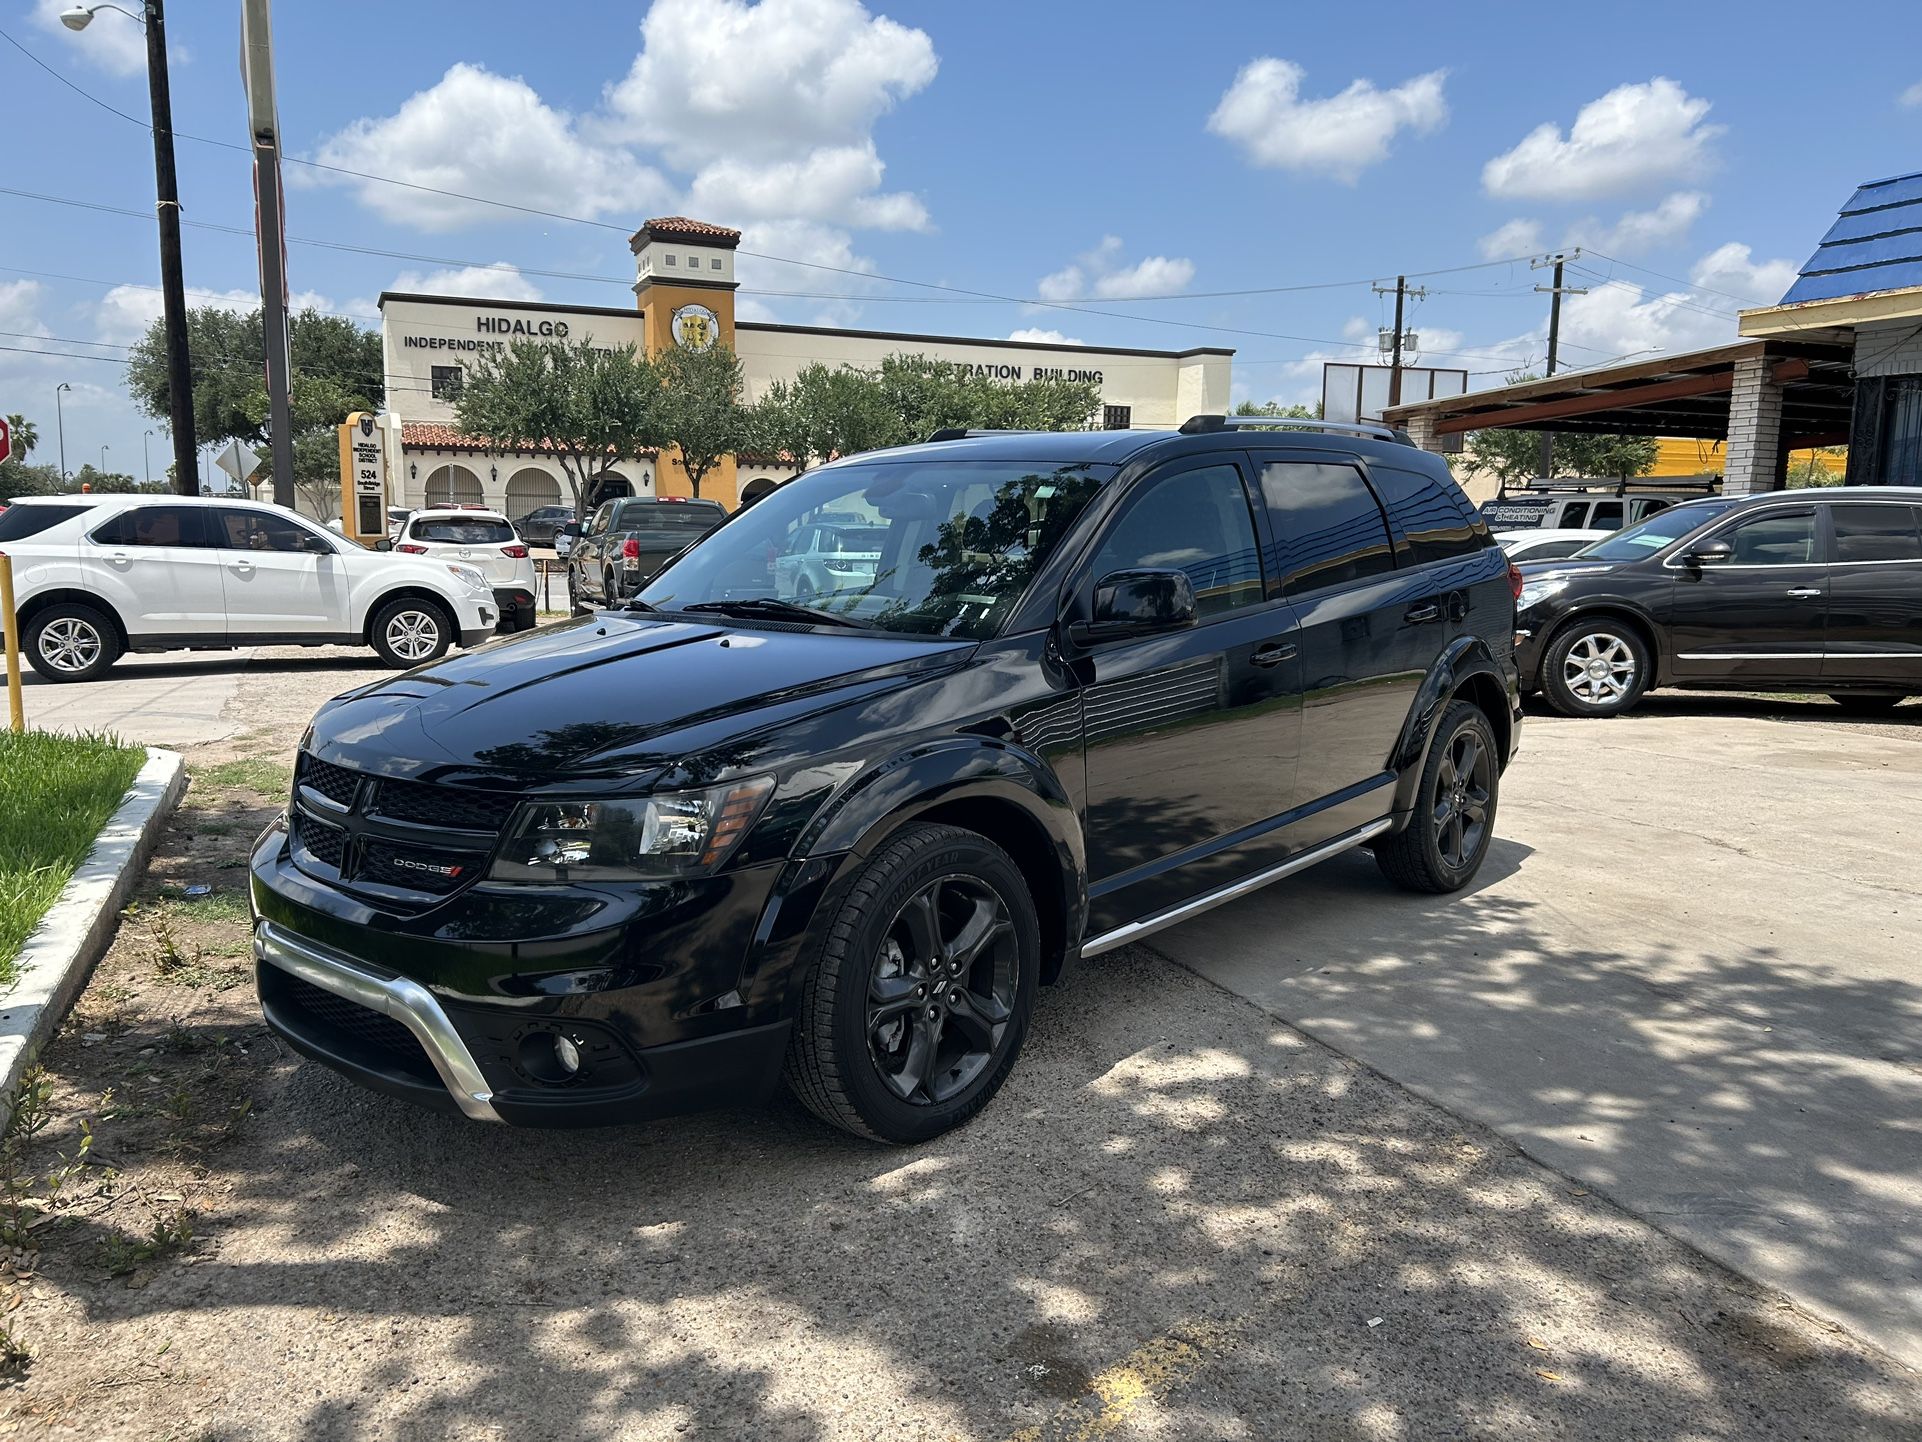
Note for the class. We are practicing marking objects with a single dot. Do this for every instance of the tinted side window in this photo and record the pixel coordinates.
(1876, 533)
(1328, 526)
(155, 526)
(19, 522)
(261, 531)
(1429, 518)
(1774, 540)
(1607, 516)
(1194, 521)
(601, 518)
(1574, 516)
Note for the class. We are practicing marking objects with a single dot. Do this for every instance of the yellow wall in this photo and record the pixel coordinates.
(1679, 456)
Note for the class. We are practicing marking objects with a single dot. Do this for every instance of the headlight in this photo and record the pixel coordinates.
(679, 833)
(471, 578)
(1536, 592)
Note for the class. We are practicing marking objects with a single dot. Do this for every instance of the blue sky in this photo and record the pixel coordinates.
(1121, 160)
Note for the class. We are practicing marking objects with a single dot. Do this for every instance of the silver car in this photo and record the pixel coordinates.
(824, 558)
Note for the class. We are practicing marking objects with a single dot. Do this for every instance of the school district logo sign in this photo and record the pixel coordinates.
(695, 327)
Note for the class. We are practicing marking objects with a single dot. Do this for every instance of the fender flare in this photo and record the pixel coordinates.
(1465, 658)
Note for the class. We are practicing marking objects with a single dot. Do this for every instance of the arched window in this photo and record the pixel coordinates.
(452, 485)
(607, 485)
(529, 489)
(758, 489)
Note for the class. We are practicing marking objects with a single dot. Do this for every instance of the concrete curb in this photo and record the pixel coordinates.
(74, 934)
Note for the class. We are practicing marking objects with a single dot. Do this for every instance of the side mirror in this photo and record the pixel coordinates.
(1138, 603)
(570, 528)
(1709, 553)
(383, 544)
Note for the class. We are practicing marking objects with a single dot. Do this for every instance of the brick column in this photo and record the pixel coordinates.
(1421, 430)
(1754, 430)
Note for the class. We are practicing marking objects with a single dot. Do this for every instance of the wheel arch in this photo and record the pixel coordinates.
(1622, 613)
(1467, 670)
(1001, 792)
(57, 595)
(408, 593)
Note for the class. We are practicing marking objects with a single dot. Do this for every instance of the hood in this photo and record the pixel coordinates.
(615, 694)
(1566, 566)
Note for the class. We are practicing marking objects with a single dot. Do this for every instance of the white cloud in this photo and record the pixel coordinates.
(500, 281)
(1338, 135)
(835, 184)
(726, 79)
(1632, 138)
(126, 312)
(112, 42)
(1733, 270)
(1101, 274)
(484, 134)
(1640, 230)
(807, 241)
(1038, 336)
(1512, 238)
(1911, 96)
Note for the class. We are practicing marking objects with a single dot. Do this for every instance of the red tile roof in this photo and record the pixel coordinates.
(434, 436)
(679, 227)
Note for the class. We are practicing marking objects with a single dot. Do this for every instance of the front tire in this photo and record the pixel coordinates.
(1595, 668)
(917, 1002)
(575, 606)
(408, 632)
(1868, 703)
(1446, 840)
(70, 641)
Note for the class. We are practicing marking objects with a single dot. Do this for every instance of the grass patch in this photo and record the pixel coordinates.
(56, 792)
(250, 773)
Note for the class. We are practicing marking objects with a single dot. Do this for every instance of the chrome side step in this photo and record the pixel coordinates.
(407, 1002)
(1135, 930)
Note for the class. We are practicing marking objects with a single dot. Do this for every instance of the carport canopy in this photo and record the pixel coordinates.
(1686, 394)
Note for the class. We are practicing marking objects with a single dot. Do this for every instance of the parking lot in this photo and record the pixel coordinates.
(1352, 1164)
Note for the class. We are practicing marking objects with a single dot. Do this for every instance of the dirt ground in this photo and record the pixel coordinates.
(1181, 1219)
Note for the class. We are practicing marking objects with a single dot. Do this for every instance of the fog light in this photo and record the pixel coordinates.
(567, 1054)
(549, 1057)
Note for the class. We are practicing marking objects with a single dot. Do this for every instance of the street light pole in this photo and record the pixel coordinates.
(103, 461)
(173, 287)
(60, 419)
(146, 459)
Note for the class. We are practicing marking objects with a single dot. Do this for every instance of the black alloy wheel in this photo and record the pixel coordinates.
(1446, 839)
(941, 991)
(915, 1006)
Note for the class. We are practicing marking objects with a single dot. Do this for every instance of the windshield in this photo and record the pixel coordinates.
(928, 548)
(1652, 535)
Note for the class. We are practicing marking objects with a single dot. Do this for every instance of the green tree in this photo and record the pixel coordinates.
(824, 412)
(1279, 411)
(595, 407)
(700, 408)
(18, 480)
(26, 435)
(1810, 470)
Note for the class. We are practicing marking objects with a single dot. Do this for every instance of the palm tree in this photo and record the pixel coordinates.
(25, 436)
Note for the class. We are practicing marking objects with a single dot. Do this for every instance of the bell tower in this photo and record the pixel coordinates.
(684, 285)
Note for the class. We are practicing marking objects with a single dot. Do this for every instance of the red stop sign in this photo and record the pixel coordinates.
(6, 439)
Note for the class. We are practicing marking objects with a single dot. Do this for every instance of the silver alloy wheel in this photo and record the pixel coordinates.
(1599, 668)
(413, 635)
(69, 644)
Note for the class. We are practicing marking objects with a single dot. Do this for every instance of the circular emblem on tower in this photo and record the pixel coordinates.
(695, 327)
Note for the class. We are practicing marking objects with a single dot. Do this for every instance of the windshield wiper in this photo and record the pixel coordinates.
(772, 608)
(637, 604)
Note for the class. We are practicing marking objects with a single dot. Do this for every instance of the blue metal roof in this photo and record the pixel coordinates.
(1875, 244)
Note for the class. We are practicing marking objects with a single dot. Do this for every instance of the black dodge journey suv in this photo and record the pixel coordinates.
(1091, 685)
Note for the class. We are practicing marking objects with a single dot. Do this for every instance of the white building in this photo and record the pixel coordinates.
(685, 292)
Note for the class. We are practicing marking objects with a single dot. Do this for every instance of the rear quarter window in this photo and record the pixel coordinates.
(1431, 518)
(20, 522)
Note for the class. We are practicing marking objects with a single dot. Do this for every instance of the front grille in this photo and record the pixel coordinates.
(371, 1029)
(454, 806)
(416, 868)
(336, 783)
(327, 843)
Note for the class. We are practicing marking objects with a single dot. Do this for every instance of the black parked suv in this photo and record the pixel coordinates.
(1815, 590)
(1092, 685)
(626, 541)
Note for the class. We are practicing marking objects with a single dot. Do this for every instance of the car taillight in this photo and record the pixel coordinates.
(1515, 580)
(631, 549)
(519, 553)
(411, 549)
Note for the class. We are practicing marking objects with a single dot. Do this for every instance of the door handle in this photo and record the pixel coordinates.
(1420, 615)
(1805, 593)
(243, 566)
(1273, 653)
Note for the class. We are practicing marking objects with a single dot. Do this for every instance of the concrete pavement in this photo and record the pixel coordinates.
(1687, 977)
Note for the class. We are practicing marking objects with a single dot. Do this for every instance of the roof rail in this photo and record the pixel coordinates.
(1202, 425)
(1620, 485)
(956, 433)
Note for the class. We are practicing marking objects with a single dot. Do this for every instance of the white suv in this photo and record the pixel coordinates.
(95, 576)
(485, 541)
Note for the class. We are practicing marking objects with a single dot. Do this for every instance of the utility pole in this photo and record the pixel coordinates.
(1402, 292)
(1555, 293)
(263, 123)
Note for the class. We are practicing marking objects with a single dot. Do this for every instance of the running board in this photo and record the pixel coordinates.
(1234, 891)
